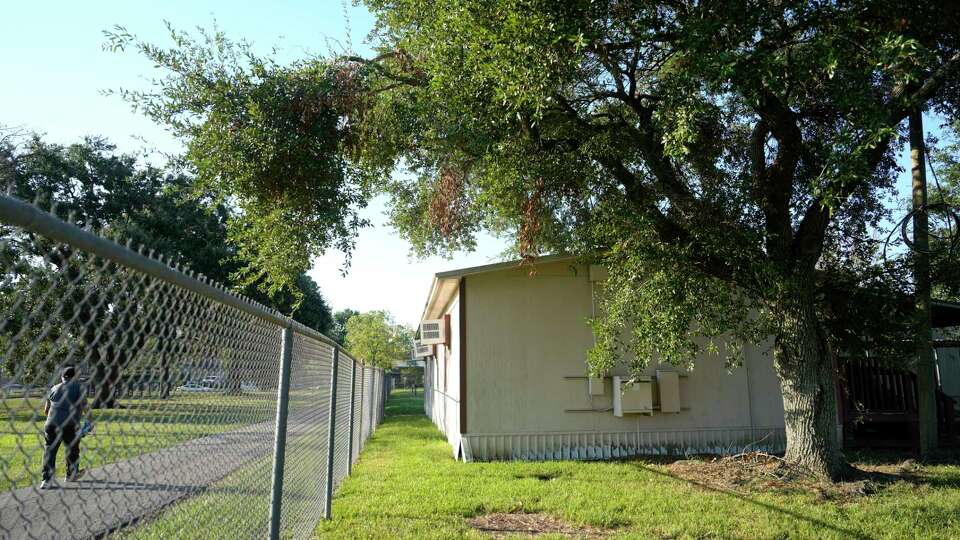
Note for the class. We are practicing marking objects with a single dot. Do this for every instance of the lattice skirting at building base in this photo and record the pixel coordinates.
(613, 445)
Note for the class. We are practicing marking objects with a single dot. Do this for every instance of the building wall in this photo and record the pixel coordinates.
(948, 363)
(442, 384)
(527, 339)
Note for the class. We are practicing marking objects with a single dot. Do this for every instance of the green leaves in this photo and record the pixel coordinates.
(375, 339)
(653, 308)
(944, 197)
(713, 155)
(266, 140)
(629, 133)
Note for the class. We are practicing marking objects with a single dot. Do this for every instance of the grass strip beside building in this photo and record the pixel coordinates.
(406, 485)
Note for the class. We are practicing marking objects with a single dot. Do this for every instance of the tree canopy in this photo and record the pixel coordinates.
(375, 339)
(340, 318)
(93, 185)
(946, 231)
(729, 160)
(266, 137)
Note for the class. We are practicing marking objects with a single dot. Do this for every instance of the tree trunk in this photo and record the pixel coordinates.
(165, 376)
(804, 363)
(99, 358)
(106, 381)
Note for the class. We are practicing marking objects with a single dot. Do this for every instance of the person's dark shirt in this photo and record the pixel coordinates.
(65, 399)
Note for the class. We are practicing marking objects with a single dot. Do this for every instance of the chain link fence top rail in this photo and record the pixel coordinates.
(184, 405)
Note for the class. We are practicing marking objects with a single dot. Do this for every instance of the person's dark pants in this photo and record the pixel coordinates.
(68, 435)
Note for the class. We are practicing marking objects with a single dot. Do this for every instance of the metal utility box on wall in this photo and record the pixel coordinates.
(595, 386)
(636, 398)
(668, 385)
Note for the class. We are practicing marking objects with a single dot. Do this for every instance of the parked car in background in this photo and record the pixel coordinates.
(194, 387)
(248, 387)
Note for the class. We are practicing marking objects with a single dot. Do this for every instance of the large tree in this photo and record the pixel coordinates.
(727, 160)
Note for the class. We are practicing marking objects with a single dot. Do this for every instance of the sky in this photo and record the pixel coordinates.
(54, 73)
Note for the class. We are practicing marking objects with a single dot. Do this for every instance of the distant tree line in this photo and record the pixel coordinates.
(93, 185)
(376, 339)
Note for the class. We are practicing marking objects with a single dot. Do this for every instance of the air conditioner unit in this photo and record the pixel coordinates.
(420, 350)
(432, 332)
(636, 398)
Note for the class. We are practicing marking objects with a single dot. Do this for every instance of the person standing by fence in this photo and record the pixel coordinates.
(64, 407)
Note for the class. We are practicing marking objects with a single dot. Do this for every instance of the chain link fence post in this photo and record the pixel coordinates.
(280, 433)
(363, 377)
(373, 397)
(331, 433)
(353, 395)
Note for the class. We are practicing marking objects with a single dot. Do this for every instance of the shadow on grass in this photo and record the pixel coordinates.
(875, 479)
(767, 506)
(916, 473)
(881, 467)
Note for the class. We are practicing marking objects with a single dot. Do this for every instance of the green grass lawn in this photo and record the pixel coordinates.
(236, 507)
(406, 485)
(139, 427)
(404, 402)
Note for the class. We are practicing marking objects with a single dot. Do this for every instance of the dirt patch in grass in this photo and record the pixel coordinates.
(501, 525)
(757, 471)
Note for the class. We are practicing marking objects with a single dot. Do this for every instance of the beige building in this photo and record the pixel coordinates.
(505, 377)
(508, 381)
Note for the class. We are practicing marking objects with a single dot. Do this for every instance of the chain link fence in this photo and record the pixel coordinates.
(191, 412)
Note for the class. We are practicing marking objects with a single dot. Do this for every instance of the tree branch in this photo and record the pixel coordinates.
(758, 155)
(773, 187)
(376, 63)
(926, 91)
(644, 199)
(668, 230)
(808, 241)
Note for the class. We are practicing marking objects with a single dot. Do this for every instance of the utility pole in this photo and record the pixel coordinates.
(926, 371)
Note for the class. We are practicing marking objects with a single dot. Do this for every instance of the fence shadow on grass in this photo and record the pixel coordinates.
(849, 533)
